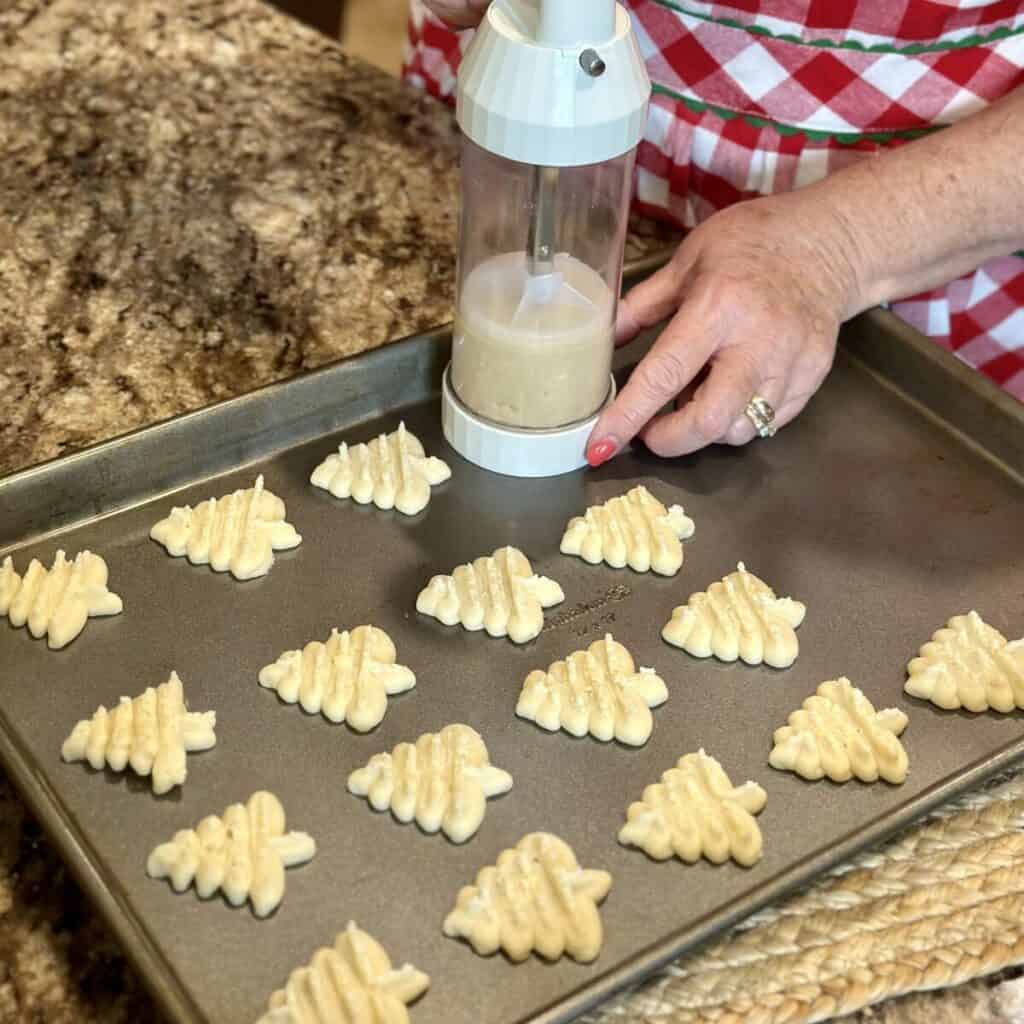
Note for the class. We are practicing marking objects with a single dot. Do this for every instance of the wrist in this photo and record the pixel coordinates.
(836, 248)
(849, 250)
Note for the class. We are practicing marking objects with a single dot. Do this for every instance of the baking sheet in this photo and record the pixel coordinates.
(884, 520)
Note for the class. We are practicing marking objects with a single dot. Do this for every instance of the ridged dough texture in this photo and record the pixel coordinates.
(347, 679)
(499, 593)
(738, 617)
(634, 529)
(838, 734)
(969, 664)
(597, 691)
(536, 898)
(442, 781)
(351, 982)
(237, 533)
(151, 734)
(392, 471)
(243, 853)
(57, 602)
(694, 812)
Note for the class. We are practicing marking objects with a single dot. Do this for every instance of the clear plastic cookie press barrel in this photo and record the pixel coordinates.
(540, 263)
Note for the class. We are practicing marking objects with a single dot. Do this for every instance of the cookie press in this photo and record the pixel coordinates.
(552, 98)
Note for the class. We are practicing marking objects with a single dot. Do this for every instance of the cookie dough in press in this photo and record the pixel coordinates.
(536, 898)
(57, 602)
(968, 664)
(392, 471)
(634, 529)
(442, 781)
(351, 982)
(838, 734)
(695, 811)
(738, 617)
(499, 593)
(151, 734)
(243, 853)
(237, 533)
(597, 691)
(347, 679)
(533, 351)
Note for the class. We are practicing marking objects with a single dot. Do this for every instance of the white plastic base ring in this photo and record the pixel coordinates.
(515, 451)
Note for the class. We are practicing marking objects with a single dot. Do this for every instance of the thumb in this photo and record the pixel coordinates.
(678, 355)
(652, 300)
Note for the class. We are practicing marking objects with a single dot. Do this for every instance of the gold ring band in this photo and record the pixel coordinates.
(761, 414)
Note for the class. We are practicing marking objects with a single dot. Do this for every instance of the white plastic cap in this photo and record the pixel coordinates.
(524, 92)
(512, 451)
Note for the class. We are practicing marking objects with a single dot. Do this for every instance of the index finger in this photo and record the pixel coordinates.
(652, 300)
(679, 354)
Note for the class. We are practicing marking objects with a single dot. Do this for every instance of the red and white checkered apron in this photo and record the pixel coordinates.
(760, 96)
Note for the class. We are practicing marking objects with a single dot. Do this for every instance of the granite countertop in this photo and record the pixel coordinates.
(199, 197)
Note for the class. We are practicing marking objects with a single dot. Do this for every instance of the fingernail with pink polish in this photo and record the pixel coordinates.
(598, 454)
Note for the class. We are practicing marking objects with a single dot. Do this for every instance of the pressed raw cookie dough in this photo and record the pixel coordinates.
(237, 533)
(634, 529)
(499, 593)
(968, 664)
(352, 982)
(738, 617)
(392, 471)
(57, 602)
(152, 733)
(597, 691)
(536, 898)
(695, 811)
(347, 679)
(443, 781)
(838, 734)
(243, 853)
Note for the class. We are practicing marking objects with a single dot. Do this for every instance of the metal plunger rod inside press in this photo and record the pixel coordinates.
(540, 242)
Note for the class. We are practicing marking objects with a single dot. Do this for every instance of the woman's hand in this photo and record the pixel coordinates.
(759, 290)
(756, 295)
(459, 13)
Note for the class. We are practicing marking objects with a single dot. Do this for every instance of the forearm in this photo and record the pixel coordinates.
(932, 210)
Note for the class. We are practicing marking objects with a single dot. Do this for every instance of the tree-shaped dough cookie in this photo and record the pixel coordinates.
(347, 679)
(151, 733)
(242, 853)
(57, 602)
(237, 533)
(499, 593)
(599, 691)
(442, 781)
(352, 982)
(694, 812)
(392, 471)
(969, 664)
(838, 734)
(738, 617)
(536, 898)
(634, 529)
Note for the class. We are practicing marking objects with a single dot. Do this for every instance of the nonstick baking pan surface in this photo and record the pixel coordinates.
(884, 518)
